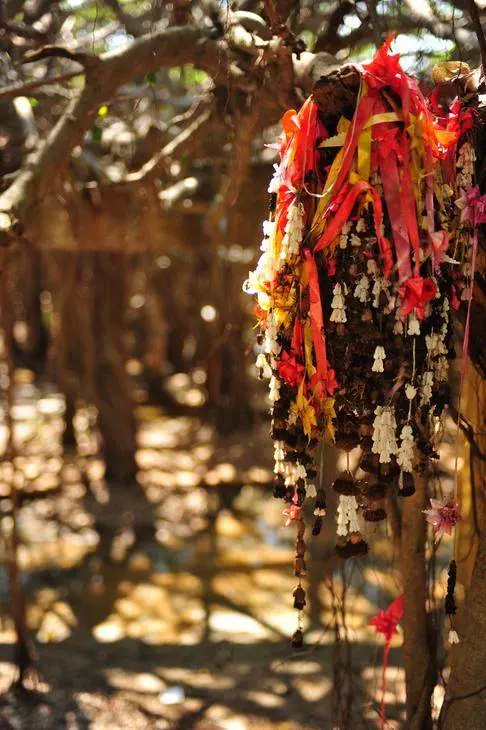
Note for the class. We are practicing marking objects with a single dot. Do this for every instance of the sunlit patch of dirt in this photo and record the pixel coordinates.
(168, 603)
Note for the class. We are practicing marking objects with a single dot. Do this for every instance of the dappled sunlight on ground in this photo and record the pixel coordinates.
(168, 603)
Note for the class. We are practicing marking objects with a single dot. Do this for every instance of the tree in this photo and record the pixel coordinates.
(234, 71)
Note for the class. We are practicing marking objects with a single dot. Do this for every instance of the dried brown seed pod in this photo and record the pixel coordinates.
(299, 566)
(317, 526)
(374, 515)
(297, 639)
(300, 547)
(408, 485)
(346, 441)
(370, 463)
(299, 598)
(374, 491)
(345, 484)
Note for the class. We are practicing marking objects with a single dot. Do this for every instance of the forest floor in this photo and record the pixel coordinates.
(168, 603)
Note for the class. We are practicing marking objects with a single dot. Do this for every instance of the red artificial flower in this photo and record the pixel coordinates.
(387, 137)
(386, 622)
(416, 293)
(290, 370)
(331, 382)
(384, 69)
(443, 517)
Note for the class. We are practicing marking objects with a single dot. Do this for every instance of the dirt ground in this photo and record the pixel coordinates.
(167, 604)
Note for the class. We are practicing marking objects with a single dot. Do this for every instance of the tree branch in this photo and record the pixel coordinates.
(88, 60)
(10, 92)
(172, 47)
(131, 24)
(183, 142)
(23, 31)
(473, 11)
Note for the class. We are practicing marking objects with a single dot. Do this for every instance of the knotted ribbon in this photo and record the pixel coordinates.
(386, 622)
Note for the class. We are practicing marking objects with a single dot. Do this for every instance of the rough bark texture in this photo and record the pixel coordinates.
(25, 657)
(419, 666)
(465, 703)
(112, 392)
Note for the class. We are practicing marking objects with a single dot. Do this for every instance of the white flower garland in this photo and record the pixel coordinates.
(293, 231)
(362, 288)
(347, 515)
(378, 359)
(338, 305)
(405, 454)
(426, 387)
(384, 429)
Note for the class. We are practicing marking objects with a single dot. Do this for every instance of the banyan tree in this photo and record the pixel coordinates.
(370, 283)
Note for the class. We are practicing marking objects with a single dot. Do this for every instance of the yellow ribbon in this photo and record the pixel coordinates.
(339, 139)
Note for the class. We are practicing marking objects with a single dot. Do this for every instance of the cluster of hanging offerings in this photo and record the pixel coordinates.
(369, 246)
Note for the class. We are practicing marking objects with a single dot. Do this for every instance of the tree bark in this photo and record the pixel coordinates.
(419, 665)
(111, 383)
(24, 654)
(465, 704)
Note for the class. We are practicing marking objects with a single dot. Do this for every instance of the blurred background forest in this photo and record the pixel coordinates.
(136, 490)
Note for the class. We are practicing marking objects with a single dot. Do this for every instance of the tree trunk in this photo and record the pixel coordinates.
(110, 380)
(24, 654)
(465, 704)
(419, 665)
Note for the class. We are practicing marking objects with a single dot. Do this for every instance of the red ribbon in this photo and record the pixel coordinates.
(363, 112)
(409, 208)
(391, 187)
(342, 215)
(316, 318)
(386, 623)
(415, 294)
(324, 380)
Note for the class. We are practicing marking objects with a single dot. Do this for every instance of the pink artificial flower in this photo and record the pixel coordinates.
(440, 244)
(443, 517)
(477, 202)
(292, 513)
(472, 206)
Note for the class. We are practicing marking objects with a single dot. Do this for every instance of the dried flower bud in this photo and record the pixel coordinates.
(299, 566)
(408, 485)
(299, 598)
(297, 639)
(317, 526)
(345, 484)
(374, 515)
